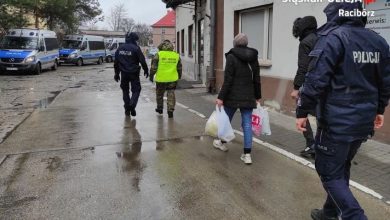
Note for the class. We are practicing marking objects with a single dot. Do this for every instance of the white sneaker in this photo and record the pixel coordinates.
(246, 158)
(219, 145)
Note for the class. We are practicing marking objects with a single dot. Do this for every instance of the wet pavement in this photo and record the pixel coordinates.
(79, 157)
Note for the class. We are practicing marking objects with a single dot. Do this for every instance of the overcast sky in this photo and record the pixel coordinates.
(144, 11)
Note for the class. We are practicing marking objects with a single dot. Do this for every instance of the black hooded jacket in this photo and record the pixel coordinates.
(304, 28)
(241, 87)
(129, 56)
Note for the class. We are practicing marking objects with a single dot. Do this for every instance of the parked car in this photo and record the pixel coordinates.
(152, 52)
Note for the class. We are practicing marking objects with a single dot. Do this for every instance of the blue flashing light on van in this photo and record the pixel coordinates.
(29, 51)
(82, 49)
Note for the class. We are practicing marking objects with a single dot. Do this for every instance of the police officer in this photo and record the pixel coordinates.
(166, 70)
(127, 60)
(350, 76)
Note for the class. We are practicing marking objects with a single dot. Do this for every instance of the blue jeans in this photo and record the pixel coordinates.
(246, 123)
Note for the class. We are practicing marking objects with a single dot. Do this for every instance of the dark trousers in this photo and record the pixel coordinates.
(126, 81)
(308, 134)
(333, 164)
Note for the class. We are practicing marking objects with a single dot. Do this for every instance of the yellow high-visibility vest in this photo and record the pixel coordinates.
(167, 66)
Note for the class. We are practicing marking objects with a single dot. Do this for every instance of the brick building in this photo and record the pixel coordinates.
(165, 29)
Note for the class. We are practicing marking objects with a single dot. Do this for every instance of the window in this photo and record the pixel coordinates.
(190, 32)
(163, 31)
(178, 42)
(257, 24)
(96, 45)
(84, 45)
(51, 43)
(182, 41)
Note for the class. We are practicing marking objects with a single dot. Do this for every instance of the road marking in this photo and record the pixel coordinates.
(191, 110)
(181, 105)
(310, 164)
(197, 113)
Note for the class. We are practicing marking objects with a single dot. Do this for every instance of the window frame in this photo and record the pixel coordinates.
(190, 40)
(178, 48)
(182, 38)
(267, 62)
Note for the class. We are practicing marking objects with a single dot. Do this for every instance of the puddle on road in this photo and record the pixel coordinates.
(44, 103)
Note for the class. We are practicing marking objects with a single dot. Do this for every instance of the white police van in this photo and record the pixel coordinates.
(82, 49)
(28, 51)
(112, 45)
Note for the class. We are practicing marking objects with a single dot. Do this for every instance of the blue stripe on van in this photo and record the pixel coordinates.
(14, 54)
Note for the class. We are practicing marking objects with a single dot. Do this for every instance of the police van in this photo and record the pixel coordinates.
(82, 49)
(29, 51)
(112, 46)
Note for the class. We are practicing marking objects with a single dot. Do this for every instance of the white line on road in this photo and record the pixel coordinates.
(191, 110)
(310, 164)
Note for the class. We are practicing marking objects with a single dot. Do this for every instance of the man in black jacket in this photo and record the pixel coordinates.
(304, 29)
(127, 60)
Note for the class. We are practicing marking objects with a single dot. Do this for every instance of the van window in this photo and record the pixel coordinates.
(114, 46)
(19, 43)
(71, 44)
(51, 43)
(96, 45)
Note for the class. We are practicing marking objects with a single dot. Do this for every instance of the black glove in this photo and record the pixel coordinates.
(146, 74)
(117, 77)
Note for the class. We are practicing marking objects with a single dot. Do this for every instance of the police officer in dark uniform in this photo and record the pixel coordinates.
(127, 60)
(350, 76)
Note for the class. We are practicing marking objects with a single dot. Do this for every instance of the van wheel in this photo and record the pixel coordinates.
(79, 62)
(100, 60)
(55, 65)
(38, 69)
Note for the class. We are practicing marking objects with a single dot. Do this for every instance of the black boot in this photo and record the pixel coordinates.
(318, 214)
(133, 112)
(159, 111)
(170, 114)
(127, 112)
(308, 152)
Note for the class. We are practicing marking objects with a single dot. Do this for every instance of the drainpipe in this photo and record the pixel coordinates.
(212, 77)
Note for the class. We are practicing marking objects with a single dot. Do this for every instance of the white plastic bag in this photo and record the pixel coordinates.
(262, 116)
(225, 130)
(211, 125)
(218, 125)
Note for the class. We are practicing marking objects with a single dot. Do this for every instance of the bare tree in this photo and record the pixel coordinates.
(118, 14)
(127, 25)
(145, 33)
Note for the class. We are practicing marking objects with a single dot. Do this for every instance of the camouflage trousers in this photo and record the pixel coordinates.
(171, 99)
